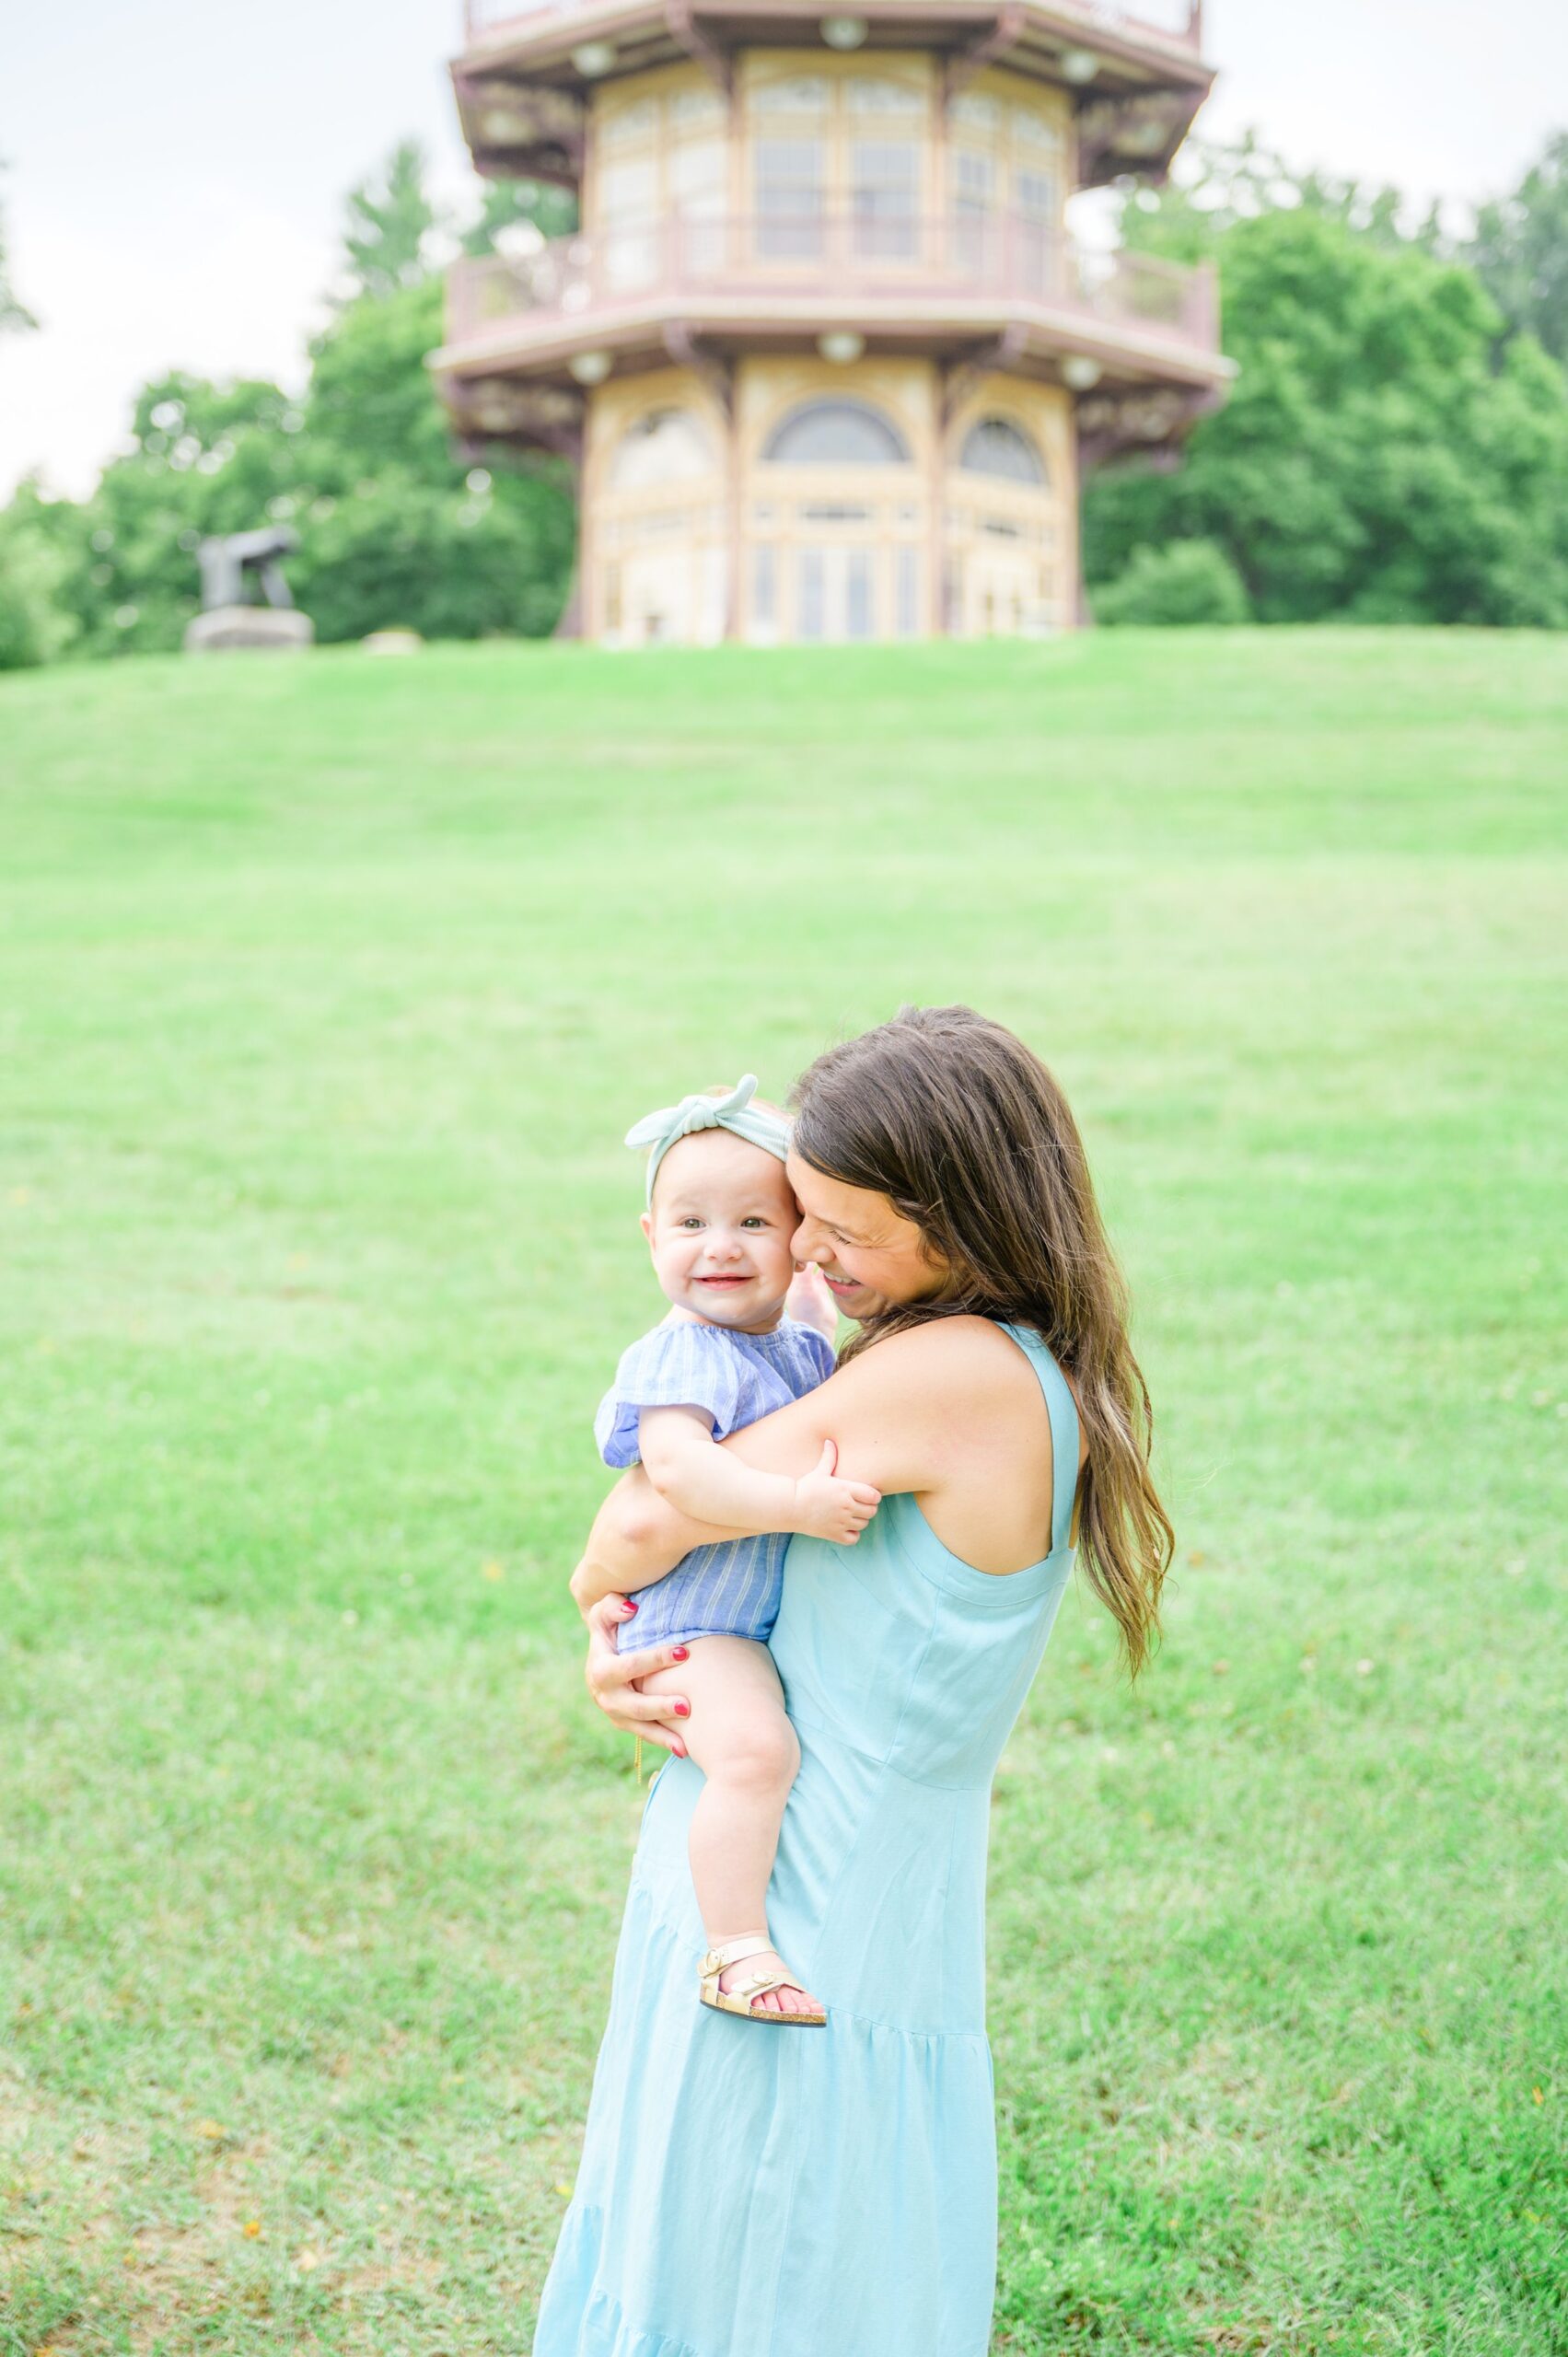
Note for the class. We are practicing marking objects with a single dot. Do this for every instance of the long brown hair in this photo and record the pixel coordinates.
(965, 1133)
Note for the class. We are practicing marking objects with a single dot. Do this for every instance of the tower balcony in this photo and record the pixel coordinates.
(582, 306)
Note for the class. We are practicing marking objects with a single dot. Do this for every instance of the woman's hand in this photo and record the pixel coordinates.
(612, 1678)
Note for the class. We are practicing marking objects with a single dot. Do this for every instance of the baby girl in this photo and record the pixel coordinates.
(719, 1221)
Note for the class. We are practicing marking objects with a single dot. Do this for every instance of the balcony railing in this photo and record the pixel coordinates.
(1167, 21)
(786, 259)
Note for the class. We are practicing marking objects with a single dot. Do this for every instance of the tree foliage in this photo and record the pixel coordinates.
(1387, 454)
(13, 311)
(389, 225)
(399, 531)
(36, 623)
(1187, 581)
(1520, 251)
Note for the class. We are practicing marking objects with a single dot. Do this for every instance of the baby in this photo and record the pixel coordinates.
(719, 1221)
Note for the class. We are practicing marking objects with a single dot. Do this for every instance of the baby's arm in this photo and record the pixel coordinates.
(690, 1471)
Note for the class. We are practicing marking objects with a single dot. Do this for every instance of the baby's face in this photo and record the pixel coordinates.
(719, 1228)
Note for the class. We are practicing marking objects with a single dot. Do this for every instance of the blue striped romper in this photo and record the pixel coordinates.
(732, 1589)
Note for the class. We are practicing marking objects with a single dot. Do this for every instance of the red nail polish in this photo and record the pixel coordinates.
(683, 1710)
(628, 1607)
(682, 1653)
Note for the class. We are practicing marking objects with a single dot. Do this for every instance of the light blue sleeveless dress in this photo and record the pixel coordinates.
(747, 2191)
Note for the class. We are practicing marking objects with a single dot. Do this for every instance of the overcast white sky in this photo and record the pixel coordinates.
(177, 168)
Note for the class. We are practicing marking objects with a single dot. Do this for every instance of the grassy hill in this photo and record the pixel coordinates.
(326, 988)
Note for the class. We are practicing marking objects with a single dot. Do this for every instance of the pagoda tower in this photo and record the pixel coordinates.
(823, 355)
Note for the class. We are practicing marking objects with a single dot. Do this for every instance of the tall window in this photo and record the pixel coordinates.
(627, 195)
(886, 178)
(790, 180)
(764, 593)
(857, 593)
(909, 591)
(698, 181)
(1040, 240)
(836, 434)
(810, 614)
(974, 201)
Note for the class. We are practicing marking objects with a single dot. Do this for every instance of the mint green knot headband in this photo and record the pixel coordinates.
(659, 1131)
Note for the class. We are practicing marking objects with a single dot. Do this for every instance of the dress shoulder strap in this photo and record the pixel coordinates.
(1062, 1409)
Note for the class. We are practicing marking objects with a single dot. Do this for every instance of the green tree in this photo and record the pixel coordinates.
(390, 225)
(1520, 251)
(1187, 581)
(203, 458)
(551, 211)
(1378, 459)
(35, 621)
(13, 312)
(400, 530)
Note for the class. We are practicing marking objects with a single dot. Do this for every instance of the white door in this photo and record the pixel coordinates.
(835, 594)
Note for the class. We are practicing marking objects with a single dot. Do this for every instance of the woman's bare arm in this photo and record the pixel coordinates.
(687, 1468)
(903, 1416)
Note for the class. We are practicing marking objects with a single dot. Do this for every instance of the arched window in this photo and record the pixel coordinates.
(836, 434)
(997, 447)
(666, 446)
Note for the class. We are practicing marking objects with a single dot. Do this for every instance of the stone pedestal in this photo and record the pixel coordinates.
(267, 627)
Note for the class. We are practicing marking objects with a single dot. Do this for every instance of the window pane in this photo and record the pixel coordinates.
(789, 199)
(1032, 129)
(692, 109)
(626, 189)
(908, 592)
(629, 124)
(975, 112)
(873, 94)
(1037, 195)
(997, 447)
(809, 600)
(886, 183)
(763, 585)
(796, 94)
(857, 594)
(834, 433)
(973, 176)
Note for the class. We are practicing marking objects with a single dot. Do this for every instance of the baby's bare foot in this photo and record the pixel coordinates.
(791, 1998)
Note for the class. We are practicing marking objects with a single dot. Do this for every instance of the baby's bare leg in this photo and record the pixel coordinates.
(740, 1737)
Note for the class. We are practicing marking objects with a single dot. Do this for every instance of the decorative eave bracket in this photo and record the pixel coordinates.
(683, 27)
(717, 374)
(1004, 352)
(995, 42)
(1149, 422)
(518, 132)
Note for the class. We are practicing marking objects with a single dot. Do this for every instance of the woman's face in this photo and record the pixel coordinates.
(872, 1257)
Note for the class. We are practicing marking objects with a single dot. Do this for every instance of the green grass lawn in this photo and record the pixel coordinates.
(326, 989)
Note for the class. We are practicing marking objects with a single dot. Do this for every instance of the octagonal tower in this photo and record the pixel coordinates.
(823, 353)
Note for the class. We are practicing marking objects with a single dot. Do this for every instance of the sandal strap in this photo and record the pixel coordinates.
(761, 1985)
(737, 1951)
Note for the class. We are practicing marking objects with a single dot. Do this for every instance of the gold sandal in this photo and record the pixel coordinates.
(740, 2000)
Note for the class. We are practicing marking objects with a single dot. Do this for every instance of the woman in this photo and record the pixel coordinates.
(744, 2194)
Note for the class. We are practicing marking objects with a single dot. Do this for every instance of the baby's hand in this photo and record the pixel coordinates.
(827, 1508)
